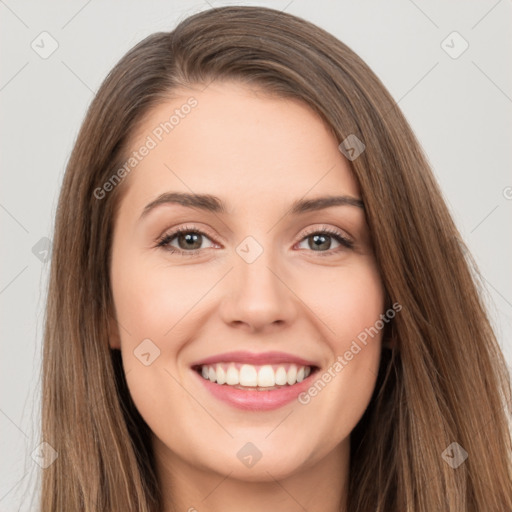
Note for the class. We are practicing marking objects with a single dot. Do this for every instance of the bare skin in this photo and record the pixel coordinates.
(258, 154)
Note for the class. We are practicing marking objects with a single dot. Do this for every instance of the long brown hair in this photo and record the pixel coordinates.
(445, 381)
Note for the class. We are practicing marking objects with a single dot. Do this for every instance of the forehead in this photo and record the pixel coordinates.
(237, 143)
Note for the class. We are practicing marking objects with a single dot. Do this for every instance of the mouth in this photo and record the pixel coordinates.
(255, 381)
(250, 377)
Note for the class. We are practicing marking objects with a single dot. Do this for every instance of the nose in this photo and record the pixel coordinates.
(258, 295)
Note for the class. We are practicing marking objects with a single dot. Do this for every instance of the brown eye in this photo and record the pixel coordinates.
(188, 241)
(321, 241)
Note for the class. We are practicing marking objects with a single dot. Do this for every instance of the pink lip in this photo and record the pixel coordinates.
(254, 359)
(255, 400)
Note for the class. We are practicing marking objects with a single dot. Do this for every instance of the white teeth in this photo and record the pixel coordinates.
(221, 374)
(281, 376)
(248, 375)
(291, 376)
(266, 376)
(232, 376)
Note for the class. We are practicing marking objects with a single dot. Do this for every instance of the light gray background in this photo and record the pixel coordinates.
(460, 109)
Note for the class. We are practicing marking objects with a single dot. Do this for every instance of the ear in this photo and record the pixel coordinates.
(114, 339)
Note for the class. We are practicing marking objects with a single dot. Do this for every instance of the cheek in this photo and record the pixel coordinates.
(152, 302)
(350, 303)
(152, 298)
(347, 300)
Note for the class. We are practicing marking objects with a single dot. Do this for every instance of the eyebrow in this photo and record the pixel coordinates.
(211, 203)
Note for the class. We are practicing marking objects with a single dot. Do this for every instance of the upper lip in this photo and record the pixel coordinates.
(254, 358)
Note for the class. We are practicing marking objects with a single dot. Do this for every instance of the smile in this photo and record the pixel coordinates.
(261, 377)
(255, 382)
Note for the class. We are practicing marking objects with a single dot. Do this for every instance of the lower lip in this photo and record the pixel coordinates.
(254, 400)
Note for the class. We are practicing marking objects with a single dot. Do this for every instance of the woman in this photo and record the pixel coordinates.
(326, 350)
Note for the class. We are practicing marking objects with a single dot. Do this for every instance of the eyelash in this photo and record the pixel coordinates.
(167, 238)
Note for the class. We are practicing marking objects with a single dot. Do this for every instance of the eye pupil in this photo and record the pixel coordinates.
(319, 241)
(190, 239)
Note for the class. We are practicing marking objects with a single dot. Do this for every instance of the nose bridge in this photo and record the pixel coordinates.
(253, 266)
(258, 296)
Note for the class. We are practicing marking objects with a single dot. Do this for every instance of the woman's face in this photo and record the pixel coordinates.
(253, 285)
